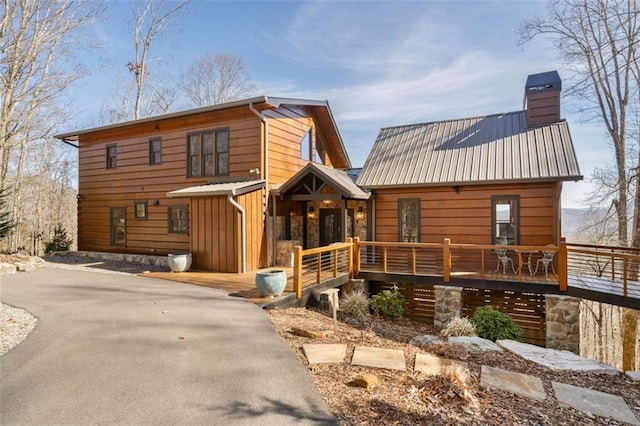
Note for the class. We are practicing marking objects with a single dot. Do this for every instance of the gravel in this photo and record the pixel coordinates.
(15, 326)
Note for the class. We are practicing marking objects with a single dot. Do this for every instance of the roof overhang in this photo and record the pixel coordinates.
(478, 182)
(337, 179)
(218, 189)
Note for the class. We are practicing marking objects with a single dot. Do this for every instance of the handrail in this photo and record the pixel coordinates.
(330, 263)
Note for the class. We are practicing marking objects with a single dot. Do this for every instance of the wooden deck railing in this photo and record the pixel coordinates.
(313, 266)
(460, 260)
(607, 269)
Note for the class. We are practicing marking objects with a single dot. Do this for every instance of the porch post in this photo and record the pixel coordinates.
(343, 220)
(287, 220)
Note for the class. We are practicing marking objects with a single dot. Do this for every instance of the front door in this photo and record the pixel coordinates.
(331, 228)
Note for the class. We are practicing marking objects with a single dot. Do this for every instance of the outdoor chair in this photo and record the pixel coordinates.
(504, 260)
(546, 260)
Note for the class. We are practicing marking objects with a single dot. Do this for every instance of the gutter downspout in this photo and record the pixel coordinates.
(243, 230)
(265, 176)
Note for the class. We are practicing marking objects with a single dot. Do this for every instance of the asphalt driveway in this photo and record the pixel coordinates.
(121, 349)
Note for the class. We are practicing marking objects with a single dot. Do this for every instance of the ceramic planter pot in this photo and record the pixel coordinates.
(271, 283)
(180, 262)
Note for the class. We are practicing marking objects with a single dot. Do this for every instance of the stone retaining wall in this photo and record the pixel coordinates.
(141, 259)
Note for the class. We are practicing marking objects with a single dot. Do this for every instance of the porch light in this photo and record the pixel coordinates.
(311, 214)
(326, 203)
(360, 213)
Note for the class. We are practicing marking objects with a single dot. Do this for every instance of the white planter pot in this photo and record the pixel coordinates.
(180, 262)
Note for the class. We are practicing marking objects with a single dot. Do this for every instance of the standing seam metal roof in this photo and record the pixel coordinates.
(492, 148)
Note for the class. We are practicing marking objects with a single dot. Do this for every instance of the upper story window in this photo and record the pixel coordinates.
(112, 156)
(155, 151)
(505, 219)
(208, 153)
(409, 220)
(305, 146)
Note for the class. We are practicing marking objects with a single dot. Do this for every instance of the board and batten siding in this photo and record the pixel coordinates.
(134, 179)
(465, 217)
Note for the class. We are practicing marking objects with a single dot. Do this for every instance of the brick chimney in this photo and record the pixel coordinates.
(542, 98)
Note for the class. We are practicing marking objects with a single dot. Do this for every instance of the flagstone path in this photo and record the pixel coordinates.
(581, 399)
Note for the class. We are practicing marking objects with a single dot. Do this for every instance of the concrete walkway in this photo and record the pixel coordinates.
(586, 400)
(120, 349)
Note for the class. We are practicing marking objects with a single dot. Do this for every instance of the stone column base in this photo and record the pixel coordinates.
(448, 305)
(563, 323)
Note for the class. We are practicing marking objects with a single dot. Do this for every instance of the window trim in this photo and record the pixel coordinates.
(109, 164)
(141, 215)
(509, 199)
(152, 161)
(170, 229)
(401, 202)
(215, 133)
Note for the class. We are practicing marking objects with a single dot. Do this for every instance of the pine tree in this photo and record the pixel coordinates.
(60, 240)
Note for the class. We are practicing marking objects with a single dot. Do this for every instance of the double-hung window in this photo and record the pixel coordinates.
(208, 153)
(178, 219)
(112, 156)
(505, 219)
(155, 151)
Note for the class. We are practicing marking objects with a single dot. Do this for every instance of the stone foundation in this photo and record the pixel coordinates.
(563, 323)
(141, 259)
(448, 305)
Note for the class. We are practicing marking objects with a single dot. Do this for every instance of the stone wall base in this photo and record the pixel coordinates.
(141, 259)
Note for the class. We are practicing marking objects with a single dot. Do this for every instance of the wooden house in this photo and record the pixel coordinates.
(494, 179)
(200, 181)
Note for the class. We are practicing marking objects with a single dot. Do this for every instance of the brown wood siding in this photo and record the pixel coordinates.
(256, 238)
(287, 128)
(134, 179)
(215, 241)
(465, 217)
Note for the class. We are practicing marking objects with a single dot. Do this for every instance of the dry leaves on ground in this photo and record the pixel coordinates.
(452, 398)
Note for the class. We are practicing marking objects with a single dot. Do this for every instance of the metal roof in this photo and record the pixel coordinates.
(489, 149)
(338, 179)
(217, 189)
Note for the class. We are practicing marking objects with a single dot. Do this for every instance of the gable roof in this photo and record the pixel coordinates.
(320, 110)
(340, 180)
(494, 148)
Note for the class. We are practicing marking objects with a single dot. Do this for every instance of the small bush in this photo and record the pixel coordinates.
(60, 240)
(388, 304)
(459, 327)
(355, 304)
(494, 325)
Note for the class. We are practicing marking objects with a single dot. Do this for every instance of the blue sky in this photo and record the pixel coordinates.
(378, 64)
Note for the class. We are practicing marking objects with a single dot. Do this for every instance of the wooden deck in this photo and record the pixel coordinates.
(237, 285)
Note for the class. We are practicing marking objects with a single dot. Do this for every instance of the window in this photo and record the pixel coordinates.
(208, 153)
(178, 219)
(409, 220)
(112, 154)
(155, 151)
(118, 224)
(305, 152)
(505, 216)
(140, 210)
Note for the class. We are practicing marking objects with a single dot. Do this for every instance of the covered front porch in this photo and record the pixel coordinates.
(317, 207)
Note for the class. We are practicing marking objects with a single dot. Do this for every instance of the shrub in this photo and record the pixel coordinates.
(459, 327)
(388, 304)
(60, 241)
(355, 304)
(494, 325)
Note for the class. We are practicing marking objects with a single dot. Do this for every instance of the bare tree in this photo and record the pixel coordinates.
(215, 79)
(597, 40)
(37, 63)
(151, 19)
